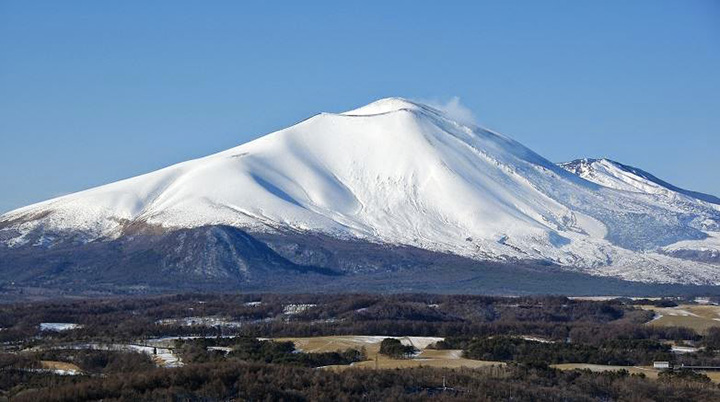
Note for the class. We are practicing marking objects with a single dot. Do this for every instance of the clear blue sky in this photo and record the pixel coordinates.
(96, 91)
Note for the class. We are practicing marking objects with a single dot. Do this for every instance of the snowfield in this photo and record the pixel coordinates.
(58, 326)
(400, 172)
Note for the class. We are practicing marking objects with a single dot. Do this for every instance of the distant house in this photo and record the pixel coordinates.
(661, 365)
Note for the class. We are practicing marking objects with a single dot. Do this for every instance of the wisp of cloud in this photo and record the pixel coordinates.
(454, 109)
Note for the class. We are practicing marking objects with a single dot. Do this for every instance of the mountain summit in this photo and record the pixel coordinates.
(397, 173)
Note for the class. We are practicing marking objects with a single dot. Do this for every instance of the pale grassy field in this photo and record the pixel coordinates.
(426, 357)
(647, 370)
(433, 358)
(697, 317)
(714, 375)
(58, 365)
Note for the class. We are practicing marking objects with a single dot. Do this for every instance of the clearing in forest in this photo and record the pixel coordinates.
(425, 357)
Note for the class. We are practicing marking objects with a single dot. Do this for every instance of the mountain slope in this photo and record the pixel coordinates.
(631, 179)
(394, 172)
(624, 177)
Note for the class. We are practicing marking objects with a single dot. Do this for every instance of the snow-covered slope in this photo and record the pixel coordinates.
(398, 172)
(627, 178)
(623, 177)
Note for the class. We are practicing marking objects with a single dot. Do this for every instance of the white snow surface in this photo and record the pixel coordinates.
(58, 326)
(291, 309)
(210, 321)
(400, 172)
(610, 174)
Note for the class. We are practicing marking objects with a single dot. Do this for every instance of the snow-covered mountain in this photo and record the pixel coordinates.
(622, 177)
(615, 175)
(401, 173)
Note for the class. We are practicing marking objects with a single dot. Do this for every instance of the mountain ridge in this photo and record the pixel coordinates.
(582, 167)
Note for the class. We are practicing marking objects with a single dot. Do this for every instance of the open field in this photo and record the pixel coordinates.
(697, 317)
(425, 358)
(60, 366)
(647, 370)
(714, 375)
(437, 358)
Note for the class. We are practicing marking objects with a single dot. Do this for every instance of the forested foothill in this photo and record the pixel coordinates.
(226, 347)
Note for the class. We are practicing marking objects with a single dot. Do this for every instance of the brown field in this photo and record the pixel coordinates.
(426, 357)
(432, 357)
(647, 370)
(57, 365)
(698, 317)
(714, 375)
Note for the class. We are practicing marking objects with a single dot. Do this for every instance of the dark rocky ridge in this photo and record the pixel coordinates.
(224, 258)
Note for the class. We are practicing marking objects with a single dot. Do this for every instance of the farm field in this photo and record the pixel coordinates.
(714, 375)
(61, 367)
(425, 358)
(647, 370)
(698, 317)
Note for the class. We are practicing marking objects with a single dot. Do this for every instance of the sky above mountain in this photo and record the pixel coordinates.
(92, 92)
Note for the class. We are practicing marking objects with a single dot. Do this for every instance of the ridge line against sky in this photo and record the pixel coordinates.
(94, 92)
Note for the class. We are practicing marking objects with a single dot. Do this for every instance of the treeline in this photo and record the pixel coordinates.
(620, 351)
(512, 349)
(358, 307)
(90, 361)
(115, 320)
(255, 381)
(265, 351)
(124, 320)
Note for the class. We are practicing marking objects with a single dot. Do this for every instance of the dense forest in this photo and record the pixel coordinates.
(270, 382)
(265, 316)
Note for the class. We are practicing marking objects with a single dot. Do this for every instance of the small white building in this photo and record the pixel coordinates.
(661, 365)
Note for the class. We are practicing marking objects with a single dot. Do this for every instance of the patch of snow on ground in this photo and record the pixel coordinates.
(163, 357)
(58, 326)
(290, 309)
(657, 316)
(535, 339)
(679, 312)
(200, 321)
(683, 349)
(224, 349)
(53, 371)
(420, 342)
